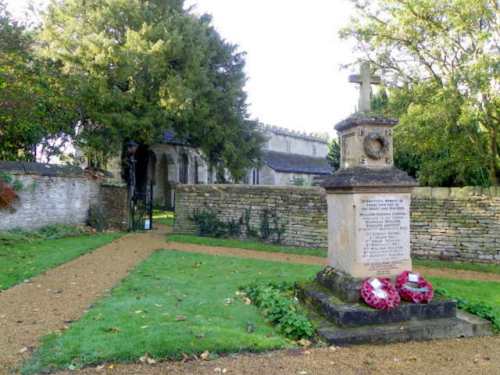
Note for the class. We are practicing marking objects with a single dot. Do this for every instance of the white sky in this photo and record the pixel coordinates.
(293, 57)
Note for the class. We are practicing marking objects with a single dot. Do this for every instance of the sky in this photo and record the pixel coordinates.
(294, 57)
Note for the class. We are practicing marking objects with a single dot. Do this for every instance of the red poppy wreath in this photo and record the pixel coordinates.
(414, 288)
(380, 294)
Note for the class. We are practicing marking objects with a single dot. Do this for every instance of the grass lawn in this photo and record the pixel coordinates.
(173, 303)
(164, 217)
(246, 244)
(22, 260)
(321, 252)
(487, 292)
(478, 267)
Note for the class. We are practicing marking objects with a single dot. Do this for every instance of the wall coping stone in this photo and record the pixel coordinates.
(456, 193)
(251, 188)
(41, 169)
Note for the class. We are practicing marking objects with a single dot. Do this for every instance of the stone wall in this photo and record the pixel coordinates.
(457, 224)
(113, 200)
(300, 210)
(53, 194)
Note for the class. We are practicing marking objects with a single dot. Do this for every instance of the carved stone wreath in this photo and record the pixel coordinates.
(375, 145)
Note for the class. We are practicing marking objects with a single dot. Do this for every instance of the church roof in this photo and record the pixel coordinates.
(294, 163)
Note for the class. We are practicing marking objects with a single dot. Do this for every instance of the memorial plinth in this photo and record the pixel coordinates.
(368, 203)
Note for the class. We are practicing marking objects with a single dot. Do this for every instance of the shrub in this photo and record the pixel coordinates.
(481, 309)
(209, 224)
(280, 307)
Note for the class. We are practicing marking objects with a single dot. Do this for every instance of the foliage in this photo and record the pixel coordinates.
(246, 244)
(279, 305)
(299, 181)
(209, 225)
(141, 68)
(36, 102)
(175, 305)
(440, 62)
(50, 232)
(481, 309)
(334, 154)
(24, 255)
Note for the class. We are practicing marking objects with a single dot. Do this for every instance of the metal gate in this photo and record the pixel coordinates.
(140, 195)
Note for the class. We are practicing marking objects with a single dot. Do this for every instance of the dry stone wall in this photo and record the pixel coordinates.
(301, 210)
(455, 224)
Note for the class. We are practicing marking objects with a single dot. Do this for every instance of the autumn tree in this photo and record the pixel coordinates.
(144, 67)
(440, 60)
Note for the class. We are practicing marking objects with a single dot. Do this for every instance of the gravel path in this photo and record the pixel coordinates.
(51, 301)
(457, 357)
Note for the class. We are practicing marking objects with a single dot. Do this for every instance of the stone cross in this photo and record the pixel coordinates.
(365, 79)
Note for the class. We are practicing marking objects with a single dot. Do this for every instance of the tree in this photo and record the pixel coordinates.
(148, 66)
(34, 106)
(334, 154)
(441, 62)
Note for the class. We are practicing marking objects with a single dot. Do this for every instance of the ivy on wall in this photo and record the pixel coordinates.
(271, 228)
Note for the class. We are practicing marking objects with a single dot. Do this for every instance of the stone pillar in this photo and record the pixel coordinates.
(368, 202)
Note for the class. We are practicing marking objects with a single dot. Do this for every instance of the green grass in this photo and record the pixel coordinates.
(22, 260)
(321, 252)
(164, 217)
(246, 244)
(474, 291)
(173, 303)
(478, 267)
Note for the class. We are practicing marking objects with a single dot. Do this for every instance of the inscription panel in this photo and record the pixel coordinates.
(383, 232)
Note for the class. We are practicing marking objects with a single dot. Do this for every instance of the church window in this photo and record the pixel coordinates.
(256, 177)
(315, 151)
(183, 169)
(288, 146)
(196, 172)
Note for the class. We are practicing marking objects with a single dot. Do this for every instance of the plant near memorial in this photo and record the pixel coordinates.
(278, 303)
(481, 309)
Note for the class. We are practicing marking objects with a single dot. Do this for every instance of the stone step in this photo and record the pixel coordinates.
(463, 325)
(358, 314)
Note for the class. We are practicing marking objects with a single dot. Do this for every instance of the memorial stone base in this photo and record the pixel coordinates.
(342, 318)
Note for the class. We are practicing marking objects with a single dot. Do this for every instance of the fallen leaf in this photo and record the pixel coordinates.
(247, 301)
(205, 355)
(304, 343)
(23, 350)
(180, 318)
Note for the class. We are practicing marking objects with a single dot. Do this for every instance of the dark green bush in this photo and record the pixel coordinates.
(480, 309)
(280, 307)
(209, 224)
